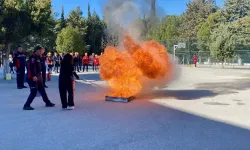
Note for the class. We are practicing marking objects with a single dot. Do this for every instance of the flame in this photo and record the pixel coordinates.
(124, 70)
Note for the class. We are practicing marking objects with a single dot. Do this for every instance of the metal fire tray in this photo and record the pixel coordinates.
(119, 99)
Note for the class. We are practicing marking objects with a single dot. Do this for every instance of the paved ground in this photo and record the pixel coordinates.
(205, 109)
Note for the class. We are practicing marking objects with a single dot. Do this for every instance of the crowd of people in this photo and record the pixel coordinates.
(65, 64)
(81, 63)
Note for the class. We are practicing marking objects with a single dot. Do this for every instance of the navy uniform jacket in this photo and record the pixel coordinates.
(56, 59)
(34, 67)
(43, 62)
(19, 60)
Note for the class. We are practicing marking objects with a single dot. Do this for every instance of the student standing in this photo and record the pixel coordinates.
(11, 64)
(96, 63)
(66, 82)
(19, 61)
(85, 61)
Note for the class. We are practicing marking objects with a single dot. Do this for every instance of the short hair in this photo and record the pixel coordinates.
(19, 46)
(37, 48)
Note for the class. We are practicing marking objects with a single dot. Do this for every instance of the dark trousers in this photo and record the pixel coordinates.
(56, 68)
(76, 67)
(11, 69)
(93, 66)
(96, 68)
(34, 87)
(85, 66)
(44, 75)
(66, 87)
(20, 73)
(50, 68)
(80, 67)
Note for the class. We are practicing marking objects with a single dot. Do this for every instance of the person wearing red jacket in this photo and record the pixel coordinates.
(96, 63)
(85, 61)
(49, 62)
(195, 59)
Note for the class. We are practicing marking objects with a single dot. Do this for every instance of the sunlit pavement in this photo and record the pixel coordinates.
(204, 109)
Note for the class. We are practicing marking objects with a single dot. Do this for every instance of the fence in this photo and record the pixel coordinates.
(185, 55)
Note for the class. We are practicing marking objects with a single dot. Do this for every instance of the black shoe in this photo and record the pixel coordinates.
(24, 87)
(19, 87)
(27, 108)
(45, 86)
(50, 105)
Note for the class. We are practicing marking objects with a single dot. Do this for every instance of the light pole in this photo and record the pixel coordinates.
(175, 47)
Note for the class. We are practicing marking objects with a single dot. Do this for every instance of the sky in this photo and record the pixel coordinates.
(170, 7)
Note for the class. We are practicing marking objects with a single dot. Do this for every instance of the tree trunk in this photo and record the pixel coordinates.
(222, 64)
(239, 61)
(6, 59)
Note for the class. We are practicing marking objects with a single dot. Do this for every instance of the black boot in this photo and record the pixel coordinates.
(27, 108)
(49, 104)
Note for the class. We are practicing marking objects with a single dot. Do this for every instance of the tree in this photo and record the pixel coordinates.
(41, 25)
(153, 13)
(205, 31)
(16, 22)
(95, 33)
(76, 19)
(168, 28)
(24, 18)
(196, 14)
(235, 9)
(89, 12)
(62, 20)
(241, 35)
(1, 19)
(223, 42)
(69, 39)
(167, 31)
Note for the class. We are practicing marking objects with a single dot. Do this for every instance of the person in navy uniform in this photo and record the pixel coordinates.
(43, 62)
(34, 79)
(19, 61)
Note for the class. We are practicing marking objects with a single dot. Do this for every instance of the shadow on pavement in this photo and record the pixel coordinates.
(178, 94)
(226, 87)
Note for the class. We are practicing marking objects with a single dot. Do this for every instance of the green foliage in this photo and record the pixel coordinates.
(62, 20)
(75, 19)
(235, 9)
(16, 21)
(196, 14)
(223, 43)
(95, 33)
(205, 31)
(70, 40)
(168, 28)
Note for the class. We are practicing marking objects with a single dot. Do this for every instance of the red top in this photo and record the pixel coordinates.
(96, 61)
(195, 58)
(49, 60)
(85, 60)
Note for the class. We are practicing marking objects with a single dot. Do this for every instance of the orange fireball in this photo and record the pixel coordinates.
(124, 70)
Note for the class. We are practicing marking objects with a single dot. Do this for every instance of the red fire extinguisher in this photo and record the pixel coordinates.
(48, 76)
